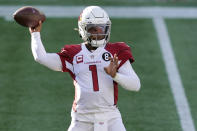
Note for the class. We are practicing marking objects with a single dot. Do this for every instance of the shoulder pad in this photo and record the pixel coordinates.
(122, 50)
(69, 51)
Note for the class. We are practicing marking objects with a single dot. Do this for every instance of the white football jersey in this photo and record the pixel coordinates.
(95, 91)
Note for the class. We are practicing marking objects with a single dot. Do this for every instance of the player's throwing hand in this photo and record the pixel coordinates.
(112, 68)
(36, 29)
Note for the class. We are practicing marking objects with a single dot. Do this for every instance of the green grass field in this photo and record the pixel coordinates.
(34, 98)
(183, 36)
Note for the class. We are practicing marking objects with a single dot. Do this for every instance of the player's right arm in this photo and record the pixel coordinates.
(50, 60)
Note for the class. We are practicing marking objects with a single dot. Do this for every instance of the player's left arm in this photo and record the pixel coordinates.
(127, 77)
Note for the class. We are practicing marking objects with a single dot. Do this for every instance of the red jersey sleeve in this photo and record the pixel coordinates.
(122, 50)
(67, 53)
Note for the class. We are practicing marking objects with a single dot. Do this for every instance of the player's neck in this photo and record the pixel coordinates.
(90, 48)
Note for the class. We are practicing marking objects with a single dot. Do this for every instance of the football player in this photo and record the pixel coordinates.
(97, 67)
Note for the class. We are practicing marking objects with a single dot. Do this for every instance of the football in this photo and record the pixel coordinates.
(28, 16)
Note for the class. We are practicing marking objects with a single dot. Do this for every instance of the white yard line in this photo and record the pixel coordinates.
(173, 75)
(114, 12)
(157, 14)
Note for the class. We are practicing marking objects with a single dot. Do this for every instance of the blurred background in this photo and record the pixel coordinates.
(34, 98)
(102, 2)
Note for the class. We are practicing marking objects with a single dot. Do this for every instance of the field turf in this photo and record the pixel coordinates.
(183, 36)
(34, 98)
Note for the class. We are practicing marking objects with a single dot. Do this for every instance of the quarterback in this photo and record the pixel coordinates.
(96, 67)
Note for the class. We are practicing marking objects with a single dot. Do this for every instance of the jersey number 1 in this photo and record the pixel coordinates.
(93, 69)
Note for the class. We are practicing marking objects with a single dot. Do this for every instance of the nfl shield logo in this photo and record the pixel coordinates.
(79, 59)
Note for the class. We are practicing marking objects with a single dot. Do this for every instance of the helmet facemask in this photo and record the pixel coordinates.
(94, 26)
(97, 34)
